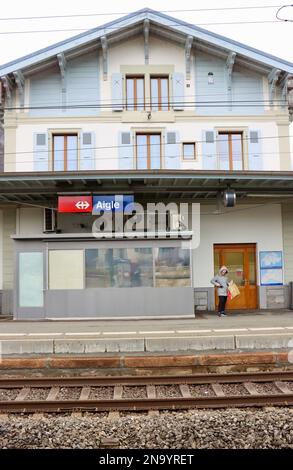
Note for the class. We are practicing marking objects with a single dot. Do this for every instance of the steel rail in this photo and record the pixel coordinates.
(241, 377)
(138, 404)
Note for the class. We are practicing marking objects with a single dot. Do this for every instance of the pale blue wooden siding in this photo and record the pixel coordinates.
(247, 92)
(207, 95)
(45, 94)
(41, 152)
(214, 99)
(209, 150)
(82, 89)
(125, 151)
(83, 85)
(172, 150)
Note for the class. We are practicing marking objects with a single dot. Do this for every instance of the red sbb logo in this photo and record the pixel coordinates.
(75, 204)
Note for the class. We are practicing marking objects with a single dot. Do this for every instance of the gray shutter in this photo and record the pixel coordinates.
(178, 91)
(87, 151)
(172, 150)
(117, 92)
(255, 161)
(125, 151)
(41, 152)
(209, 150)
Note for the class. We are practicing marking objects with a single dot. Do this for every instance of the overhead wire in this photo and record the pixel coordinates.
(116, 27)
(79, 15)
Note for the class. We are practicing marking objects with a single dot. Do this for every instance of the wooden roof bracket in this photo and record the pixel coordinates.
(8, 86)
(188, 46)
(19, 80)
(273, 77)
(62, 66)
(146, 34)
(229, 70)
(104, 44)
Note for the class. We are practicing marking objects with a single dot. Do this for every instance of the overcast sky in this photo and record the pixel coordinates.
(274, 38)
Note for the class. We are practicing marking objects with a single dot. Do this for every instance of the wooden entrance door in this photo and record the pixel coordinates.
(241, 263)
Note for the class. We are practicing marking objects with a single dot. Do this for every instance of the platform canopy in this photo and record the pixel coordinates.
(17, 188)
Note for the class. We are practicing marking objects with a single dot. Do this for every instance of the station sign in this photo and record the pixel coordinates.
(114, 203)
(75, 204)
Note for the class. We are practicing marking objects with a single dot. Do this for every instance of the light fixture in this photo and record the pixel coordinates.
(210, 78)
(229, 197)
(149, 116)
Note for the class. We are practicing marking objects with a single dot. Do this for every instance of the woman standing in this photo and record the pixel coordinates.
(221, 281)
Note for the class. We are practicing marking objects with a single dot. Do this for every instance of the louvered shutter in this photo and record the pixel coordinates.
(41, 152)
(209, 150)
(178, 91)
(172, 150)
(117, 92)
(125, 151)
(255, 160)
(87, 151)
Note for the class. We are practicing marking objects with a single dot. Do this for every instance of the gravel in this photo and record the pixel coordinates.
(8, 394)
(201, 391)
(230, 428)
(98, 393)
(38, 394)
(266, 387)
(234, 389)
(168, 391)
(69, 393)
(134, 392)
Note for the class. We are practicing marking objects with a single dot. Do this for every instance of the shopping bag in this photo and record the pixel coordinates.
(233, 290)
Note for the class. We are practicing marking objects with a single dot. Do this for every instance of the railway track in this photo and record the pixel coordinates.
(137, 393)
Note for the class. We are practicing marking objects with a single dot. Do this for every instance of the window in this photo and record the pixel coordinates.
(172, 266)
(31, 277)
(230, 151)
(135, 93)
(115, 267)
(148, 151)
(65, 152)
(66, 269)
(160, 93)
(188, 151)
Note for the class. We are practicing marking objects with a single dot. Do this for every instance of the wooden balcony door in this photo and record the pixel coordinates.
(240, 260)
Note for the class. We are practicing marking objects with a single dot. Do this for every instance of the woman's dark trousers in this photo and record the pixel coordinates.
(222, 303)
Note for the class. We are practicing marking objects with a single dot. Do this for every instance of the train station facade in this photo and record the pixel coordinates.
(147, 111)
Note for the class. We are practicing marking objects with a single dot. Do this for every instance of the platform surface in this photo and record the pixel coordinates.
(261, 330)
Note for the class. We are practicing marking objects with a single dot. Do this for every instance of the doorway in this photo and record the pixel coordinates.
(240, 260)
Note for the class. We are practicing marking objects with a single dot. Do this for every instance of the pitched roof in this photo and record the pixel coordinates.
(166, 21)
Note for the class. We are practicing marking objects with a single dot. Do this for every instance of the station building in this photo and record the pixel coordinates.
(152, 110)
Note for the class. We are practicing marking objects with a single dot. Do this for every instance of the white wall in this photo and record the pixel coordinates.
(107, 138)
(261, 225)
(29, 220)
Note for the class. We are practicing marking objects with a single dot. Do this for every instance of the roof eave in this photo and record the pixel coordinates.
(156, 17)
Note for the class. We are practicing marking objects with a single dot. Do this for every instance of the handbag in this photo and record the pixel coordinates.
(233, 290)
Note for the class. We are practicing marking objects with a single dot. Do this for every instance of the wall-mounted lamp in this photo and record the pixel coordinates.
(210, 78)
